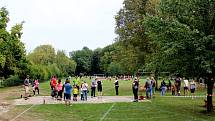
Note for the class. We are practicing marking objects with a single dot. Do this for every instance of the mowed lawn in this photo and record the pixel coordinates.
(158, 109)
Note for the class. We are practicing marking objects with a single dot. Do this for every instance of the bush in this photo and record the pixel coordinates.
(12, 81)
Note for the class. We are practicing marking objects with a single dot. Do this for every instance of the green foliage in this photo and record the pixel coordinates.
(83, 60)
(12, 51)
(12, 81)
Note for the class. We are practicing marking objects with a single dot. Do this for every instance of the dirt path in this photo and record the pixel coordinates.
(48, 100)
(7, 98)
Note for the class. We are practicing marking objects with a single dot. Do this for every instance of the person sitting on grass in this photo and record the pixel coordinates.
(59, 89)
(75, 93)
(68, 89)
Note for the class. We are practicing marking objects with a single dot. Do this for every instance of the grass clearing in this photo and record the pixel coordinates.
(159, 109)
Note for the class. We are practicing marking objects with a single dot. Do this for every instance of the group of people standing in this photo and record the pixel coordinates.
(76, 87)
(27, 84)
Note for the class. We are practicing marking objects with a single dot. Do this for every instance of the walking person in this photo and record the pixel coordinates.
(163, 88)
(26, 87)
(135, 86)
(192, 88)
(85, 90)
(99, 87)
(93, 88)
(153, 82)
(117, 87)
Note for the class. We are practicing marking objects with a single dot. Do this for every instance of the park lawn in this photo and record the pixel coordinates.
(159, 109)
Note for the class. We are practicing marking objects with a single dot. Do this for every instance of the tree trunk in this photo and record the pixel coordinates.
(156, 79)
(210, 85)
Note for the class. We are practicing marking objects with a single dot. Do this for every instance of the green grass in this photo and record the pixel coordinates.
(159, 109)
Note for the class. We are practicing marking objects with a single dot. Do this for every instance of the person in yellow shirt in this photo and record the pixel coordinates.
(75, 93)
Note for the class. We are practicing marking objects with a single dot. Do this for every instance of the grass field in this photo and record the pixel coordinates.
(159, 109)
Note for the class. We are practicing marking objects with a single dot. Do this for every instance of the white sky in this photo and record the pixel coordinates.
(65, 24)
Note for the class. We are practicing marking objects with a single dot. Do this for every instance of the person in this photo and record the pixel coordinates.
(82, 95)
(85, 90)
(64, 91)
(59, 89)
(26, 87)
(75, 93)
(116, 86)
(135, 86)
(163, 88)
(148, 88)
(93, 87)
(192, 88)
(99, 87)
(178, 86)
(36, 87)
(68, 89)
(186, 85)
(169, 85)
(173, 88)
(153, 85)
(53, 82)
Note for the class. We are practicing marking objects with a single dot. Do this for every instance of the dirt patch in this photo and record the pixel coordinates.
(37, 100)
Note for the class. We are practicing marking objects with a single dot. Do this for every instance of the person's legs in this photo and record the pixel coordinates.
(94, 91)
(91, 91)
(85, 94)
(150, 92)
(136, 95)
(116, 88)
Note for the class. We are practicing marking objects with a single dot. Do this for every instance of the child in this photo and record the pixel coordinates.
(59, 89)
(75, 93)
(82, 95)
(36, 86)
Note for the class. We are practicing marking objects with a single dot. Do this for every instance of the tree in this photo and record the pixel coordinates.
(12, 51)
(184, 32)
(43, 54)
(83, 60)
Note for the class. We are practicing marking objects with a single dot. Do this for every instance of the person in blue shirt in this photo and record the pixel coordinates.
(68, 91)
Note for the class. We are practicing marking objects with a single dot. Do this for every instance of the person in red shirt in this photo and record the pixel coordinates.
(53, 82)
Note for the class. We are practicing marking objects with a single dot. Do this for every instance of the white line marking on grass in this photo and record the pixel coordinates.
(22, 113)
(107, 112)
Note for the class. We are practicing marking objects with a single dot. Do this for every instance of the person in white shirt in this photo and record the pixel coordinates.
(85, 90)
(186, 85)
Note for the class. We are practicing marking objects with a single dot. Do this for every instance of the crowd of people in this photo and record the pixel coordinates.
(72, 88)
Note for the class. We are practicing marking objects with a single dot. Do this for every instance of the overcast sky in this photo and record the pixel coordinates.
(65, 24)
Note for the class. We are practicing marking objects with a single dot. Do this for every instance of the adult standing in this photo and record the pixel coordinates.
(135, 86)
(192, 88)
(148, 86)
(163, 88)
(85, 90)
(116, 86)
(99, 87)
(68, 90)
(36, 86)
(178, 85)
(53, 83)
(93, 87)
(26, 87)
(186, 84)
